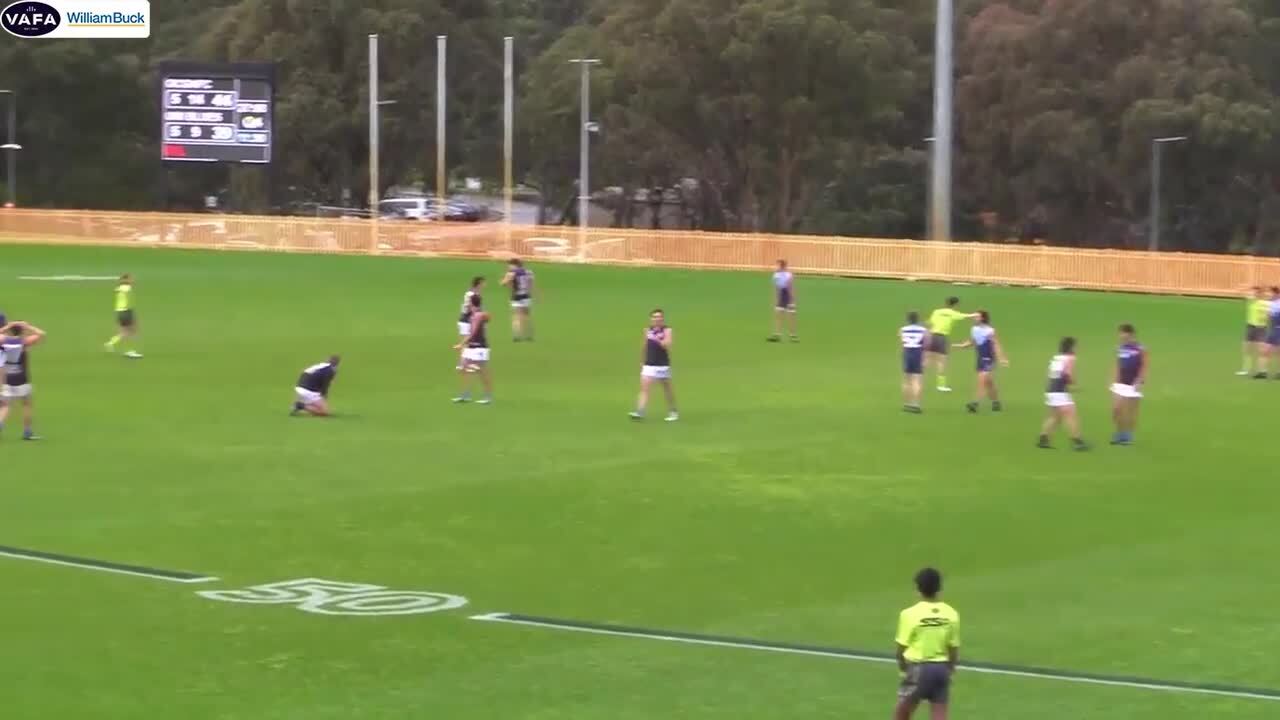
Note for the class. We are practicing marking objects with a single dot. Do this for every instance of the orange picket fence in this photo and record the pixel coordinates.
(1170, 273)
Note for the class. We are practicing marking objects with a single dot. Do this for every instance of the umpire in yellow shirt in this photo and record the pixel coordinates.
(928, 649)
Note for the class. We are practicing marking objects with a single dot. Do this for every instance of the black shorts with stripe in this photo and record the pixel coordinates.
(125, 318)
(929, 682)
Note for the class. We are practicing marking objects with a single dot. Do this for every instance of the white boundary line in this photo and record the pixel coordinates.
(851, 655)
(69, 278)
(102, 568)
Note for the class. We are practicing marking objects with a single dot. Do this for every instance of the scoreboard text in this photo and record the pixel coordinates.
(223, 114)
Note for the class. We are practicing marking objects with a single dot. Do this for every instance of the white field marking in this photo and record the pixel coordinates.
(333, 597)
(69, 278)
(859, 657)
(101, 568)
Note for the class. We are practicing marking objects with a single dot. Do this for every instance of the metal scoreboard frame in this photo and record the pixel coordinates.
(216, 112)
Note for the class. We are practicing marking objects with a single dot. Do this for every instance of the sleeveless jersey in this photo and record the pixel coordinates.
(317, 378)
(521, 283)
(782, 282)
(16, 369)
(478, 337)
(984, 341)
(1129, 361)
(654, 353)
(467, 308)
(1059, 374)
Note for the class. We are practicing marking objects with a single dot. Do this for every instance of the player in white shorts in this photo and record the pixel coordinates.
(475, 356)
(1062, 407)
(657, 366)
(464, 317)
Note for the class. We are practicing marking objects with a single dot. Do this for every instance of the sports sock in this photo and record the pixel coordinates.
(113, 341)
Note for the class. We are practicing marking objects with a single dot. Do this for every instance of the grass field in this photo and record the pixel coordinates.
(792, 503)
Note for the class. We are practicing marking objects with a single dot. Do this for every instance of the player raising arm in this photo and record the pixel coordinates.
(311, 394)
(16, 341)
(940, 324)
(989, 351)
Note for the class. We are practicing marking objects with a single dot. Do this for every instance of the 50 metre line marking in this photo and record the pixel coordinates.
(868, 656)
(177, 576)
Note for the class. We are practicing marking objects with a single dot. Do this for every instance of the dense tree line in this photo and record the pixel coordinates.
(762, 115)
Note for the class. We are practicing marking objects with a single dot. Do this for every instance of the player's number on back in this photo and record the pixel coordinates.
(330, 597)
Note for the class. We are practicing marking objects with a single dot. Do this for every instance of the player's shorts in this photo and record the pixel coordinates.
(464, 328)
(986, 364)
(929, 682)
(521, 302)
(785, 301)
(124, 318)
(307, 397)
(1125, 391)
(1254, 333)
(476, 355)
(15, 392)
(1058, 399)
(913, 362)
(938, 344)
(656, 372)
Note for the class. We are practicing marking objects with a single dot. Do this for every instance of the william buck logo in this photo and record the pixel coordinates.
(30, 19)
(77, 19)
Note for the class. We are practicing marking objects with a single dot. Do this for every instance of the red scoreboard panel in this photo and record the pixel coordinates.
(216, 112)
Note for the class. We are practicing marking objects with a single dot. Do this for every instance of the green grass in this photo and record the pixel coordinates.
(792, 502)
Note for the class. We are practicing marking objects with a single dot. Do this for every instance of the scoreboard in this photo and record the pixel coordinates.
(216, 112)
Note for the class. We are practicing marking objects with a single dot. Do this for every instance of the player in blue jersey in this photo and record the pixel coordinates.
(520, 279)
(1273, 333)
(1126, 391)
(16, 341)
(914, 338)
(982, 337)
(657, 366)
(1062, 407)
(464, 316)
(784, 303)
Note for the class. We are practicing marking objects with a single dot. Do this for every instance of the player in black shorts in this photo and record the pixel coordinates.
(520, 279)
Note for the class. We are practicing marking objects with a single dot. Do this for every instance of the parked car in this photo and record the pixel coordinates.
(427, 209)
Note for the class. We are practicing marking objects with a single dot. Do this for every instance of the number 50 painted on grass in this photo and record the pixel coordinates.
(330, 597)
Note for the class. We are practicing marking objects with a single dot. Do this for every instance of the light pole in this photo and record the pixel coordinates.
(441, 107)
(1157, 145)
(373, 126)
(928, 189)
(943, 80)
(586, 127)
(11, 148)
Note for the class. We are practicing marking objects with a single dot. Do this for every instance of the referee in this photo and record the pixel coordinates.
(928, 649)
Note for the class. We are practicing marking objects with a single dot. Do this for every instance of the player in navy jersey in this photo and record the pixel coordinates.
(784, 303)
(1126, 391)
(16, 341)
(982, 338)
(914, 338)
(657, 366)
(1273, 333)
(520, 279)
(311, 394)
(464, 317)
(1062, 407)
(475, 355)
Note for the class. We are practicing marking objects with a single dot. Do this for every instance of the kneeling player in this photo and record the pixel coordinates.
(1062, 408)
(312, 392)
(475, 355)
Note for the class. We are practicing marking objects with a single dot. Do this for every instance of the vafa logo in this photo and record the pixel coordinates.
(28, 18)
